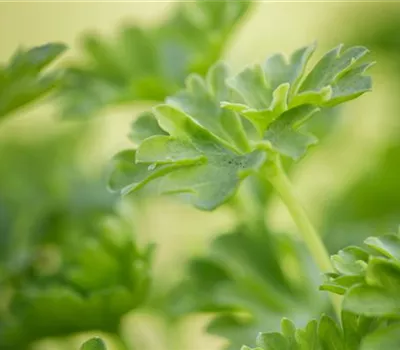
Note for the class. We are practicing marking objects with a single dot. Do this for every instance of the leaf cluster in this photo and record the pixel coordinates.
(95, 276)
(204, 140)
(355, 333)
(368, 277)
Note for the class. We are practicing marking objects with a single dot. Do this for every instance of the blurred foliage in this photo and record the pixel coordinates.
(148, 64)
(40, 182)
(371, 204)
(251, 277)
(384, 39)
(244, 283)
(66, 252)
(22, 79)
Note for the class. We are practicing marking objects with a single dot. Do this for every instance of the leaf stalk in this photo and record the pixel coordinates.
(279, 180)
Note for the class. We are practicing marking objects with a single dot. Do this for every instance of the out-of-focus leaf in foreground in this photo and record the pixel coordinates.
(150, 63)
(22, 79)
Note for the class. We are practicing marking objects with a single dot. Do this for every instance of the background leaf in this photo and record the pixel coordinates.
(149, 64)
(22, 80)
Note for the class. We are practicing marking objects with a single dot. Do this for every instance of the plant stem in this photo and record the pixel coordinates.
(281, 183)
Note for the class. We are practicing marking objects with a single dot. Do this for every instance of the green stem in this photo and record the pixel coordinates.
(278, 178)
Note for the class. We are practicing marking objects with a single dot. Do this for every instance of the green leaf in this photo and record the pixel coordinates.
(284, 136)
(330, 335)
(273, 341)
(339, 285)
(202, 149)
(307, 338)
(351, 85)
(149, 64)
(201, 101)
(369, 279)
(95, 343)
(326, 334)
(144, 126)
(337, 68)
(350, 261)
(350, 265)
(205, 154)
(388, 245)
(372, 301)
(209, 185)
(278, 71)
(128, 176)
(166, 149)
(265, 105)
(266, 95)
(384, 273)
(387, 338)
(22, 80)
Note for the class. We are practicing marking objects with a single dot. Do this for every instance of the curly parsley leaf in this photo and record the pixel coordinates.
(199, 151)
(23, 81)
(200, 146)
(278, 97)
(385, 338)
(355, 333)
(150, 64)
(369, 278)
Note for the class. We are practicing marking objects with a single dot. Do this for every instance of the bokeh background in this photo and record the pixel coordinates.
(52, 168)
